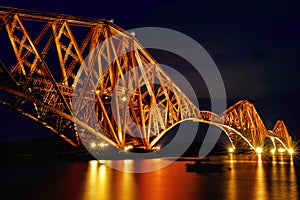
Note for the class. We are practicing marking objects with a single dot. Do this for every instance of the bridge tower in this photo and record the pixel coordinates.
(281, 132)
(243, 118)
(45, 81)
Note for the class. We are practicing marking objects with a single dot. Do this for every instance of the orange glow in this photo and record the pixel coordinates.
(231, 150)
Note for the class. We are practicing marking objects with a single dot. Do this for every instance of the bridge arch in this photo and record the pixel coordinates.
(31, 87)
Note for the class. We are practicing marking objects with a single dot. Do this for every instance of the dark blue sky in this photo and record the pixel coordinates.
(254, 44)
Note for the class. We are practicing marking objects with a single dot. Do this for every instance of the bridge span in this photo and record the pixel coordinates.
(52, 50)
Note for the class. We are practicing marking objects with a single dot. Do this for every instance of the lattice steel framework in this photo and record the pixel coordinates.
(280, 131)
(243, 117)
(41, 88)
(245, 128)
(135, 101)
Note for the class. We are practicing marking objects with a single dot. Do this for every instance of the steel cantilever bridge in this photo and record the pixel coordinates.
(49, 53)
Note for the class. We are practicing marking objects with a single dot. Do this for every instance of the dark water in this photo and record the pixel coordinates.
(249, 177)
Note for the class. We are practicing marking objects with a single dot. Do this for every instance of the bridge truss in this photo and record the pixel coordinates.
(133, 99)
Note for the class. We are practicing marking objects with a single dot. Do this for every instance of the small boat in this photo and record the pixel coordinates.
(202, 167)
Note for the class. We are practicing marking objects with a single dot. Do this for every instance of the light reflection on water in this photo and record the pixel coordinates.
(253, 178)
(261, 178)
(249, 177)
(260, 186)
(232, 183)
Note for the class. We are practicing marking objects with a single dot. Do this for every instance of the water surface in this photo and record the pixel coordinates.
(247, 177)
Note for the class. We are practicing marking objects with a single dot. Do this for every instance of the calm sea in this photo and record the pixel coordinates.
(243, 177)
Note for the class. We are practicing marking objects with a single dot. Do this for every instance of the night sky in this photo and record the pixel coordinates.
(254, 44)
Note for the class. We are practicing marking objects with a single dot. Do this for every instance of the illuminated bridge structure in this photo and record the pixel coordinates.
(246, 130)
(50, 51)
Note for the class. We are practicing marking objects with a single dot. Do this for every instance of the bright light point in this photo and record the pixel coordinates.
(102, 144)
(93, 145)
(231, 150)
(123, 98)
(127, 161)
(128, 147)
(259, 150)
(273, 151)
(97, 91)
(291, 151)
(156, 148)
(281, 150)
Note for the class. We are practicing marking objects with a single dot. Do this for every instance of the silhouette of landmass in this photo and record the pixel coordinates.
(43, 149)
